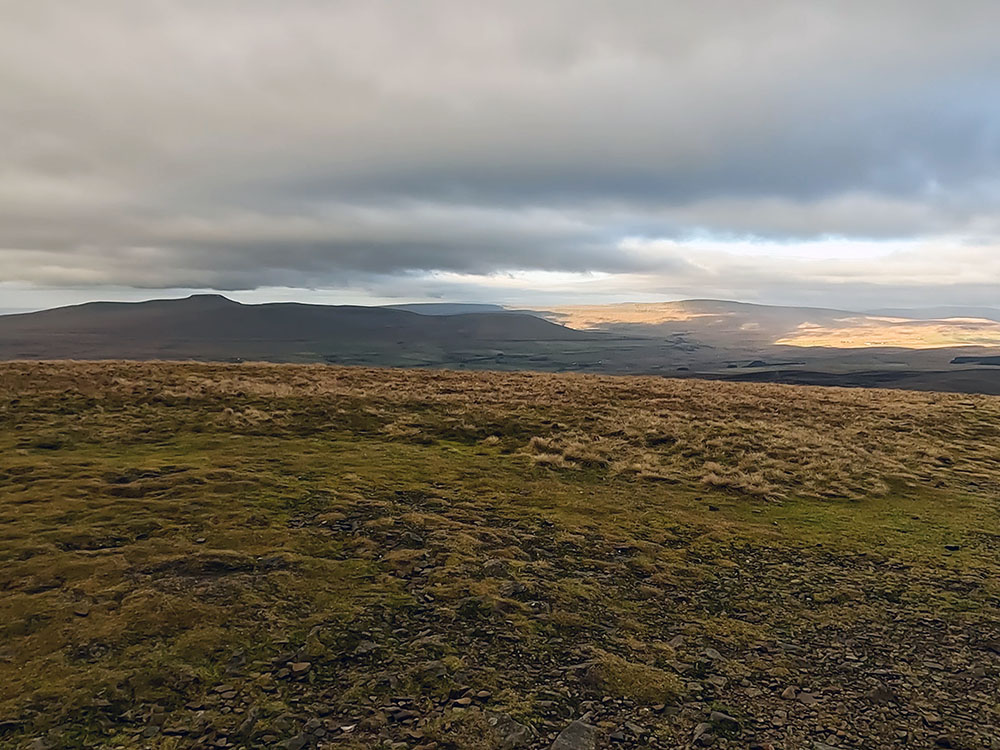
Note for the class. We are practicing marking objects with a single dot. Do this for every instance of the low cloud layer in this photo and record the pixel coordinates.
(835, 153)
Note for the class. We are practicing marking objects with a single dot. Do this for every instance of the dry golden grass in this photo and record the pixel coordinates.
(794, 329)
(584, 317)
(760, 440)
(910, 334)
(167, 529)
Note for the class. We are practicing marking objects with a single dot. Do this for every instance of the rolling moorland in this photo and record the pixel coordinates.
(694, 338)
(294, 556)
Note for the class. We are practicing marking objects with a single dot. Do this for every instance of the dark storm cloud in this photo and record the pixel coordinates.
(243, 144)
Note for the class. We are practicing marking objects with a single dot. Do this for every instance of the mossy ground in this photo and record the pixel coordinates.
(167, 529)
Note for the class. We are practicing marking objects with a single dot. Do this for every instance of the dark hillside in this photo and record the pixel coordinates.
(214, 327)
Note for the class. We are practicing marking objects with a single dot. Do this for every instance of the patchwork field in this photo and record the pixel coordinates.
(892, 332)
(292, 556)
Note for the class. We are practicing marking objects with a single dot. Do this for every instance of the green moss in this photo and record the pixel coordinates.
(643, 683)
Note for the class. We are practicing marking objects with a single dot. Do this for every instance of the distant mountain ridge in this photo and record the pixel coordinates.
(207, 326)
(725, 324)
(940, 313)
(689, 338)
(447, 308)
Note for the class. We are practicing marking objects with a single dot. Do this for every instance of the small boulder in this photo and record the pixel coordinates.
(246, 726)
(880, 694)
(512, 734)
(494, 568)
(724, 723)
(300, 667)
(577, 736)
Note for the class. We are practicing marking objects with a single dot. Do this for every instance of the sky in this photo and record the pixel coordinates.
(843, 153)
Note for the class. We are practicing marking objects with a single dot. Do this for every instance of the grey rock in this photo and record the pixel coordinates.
(577, 736)
(789, 648)
(880, 694)
(494, 567)
(635, 729)
(313, 724)
(701, 729)
(429, 671)
(807, 699)
(246, 727)
(511, 732)
(724, 722)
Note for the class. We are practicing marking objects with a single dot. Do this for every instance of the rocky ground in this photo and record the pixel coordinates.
(418, 593)
(506, 670)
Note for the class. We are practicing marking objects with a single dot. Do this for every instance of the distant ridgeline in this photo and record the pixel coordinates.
(988, 360)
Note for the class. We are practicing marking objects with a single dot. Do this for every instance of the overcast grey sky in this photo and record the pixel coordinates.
(843, 153)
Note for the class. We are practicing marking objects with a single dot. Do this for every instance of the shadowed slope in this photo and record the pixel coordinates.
(214, 327)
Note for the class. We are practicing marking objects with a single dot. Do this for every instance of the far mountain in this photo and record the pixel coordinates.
(691, 338)
(446, 308)
(738, 324)
(213, 327)
(940, 313)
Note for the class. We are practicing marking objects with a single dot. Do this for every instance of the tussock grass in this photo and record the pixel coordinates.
(759, 440)
(162, 522)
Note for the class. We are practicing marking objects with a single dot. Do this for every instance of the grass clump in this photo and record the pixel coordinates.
(642, 683)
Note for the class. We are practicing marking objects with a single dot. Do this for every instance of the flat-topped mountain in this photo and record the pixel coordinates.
(214, 327)
(940, 312)
(447, 308)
